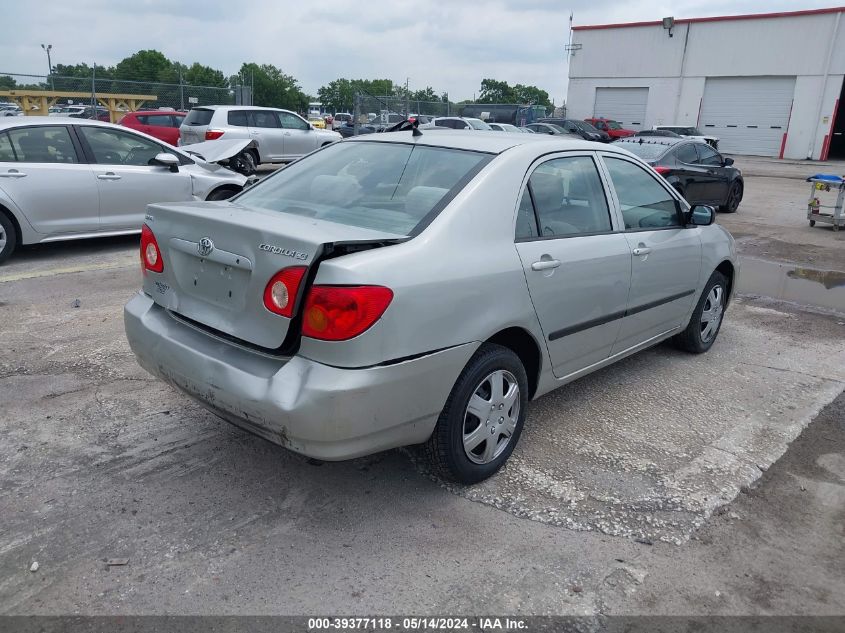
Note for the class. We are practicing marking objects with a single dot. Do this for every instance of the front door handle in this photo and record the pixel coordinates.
(545, 264)
(641, 250)
(108, 176)
(13, 173)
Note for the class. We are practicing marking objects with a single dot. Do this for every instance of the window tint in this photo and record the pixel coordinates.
(48, 144)
(178, 119)
(7, 154)
(263, 118)
(161, 120)
(645, 203)
(569, 197)
(708, 156)
(115, 147)
(526, 222)
(388, 187)
(686, 154)
(292, 122)
(199, 116)
(237, 118)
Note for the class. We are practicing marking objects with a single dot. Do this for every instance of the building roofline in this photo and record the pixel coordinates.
(715, 18)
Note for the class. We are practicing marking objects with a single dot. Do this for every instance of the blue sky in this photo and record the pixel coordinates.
(449, 45)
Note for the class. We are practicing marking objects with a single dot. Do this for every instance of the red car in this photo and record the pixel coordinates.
(610, 126)
(162, 124)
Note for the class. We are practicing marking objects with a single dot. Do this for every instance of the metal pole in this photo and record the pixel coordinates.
(356, 113)
(47, 48)
(94, 90)
(181, 92)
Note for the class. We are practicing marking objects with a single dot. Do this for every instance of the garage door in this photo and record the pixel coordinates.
(748, 114)
(626, 105)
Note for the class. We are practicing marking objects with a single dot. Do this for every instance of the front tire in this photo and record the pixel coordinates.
(8, 237)
(706, 319)
(483, 417)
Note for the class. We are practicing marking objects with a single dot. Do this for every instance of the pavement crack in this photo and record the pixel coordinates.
(793, 371)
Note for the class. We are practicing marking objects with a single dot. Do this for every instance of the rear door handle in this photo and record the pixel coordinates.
(545, 264)
(641, 250)
(13, 173)
(108, 176)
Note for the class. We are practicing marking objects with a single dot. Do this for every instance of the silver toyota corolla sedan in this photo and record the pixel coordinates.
(64, 178)
(400, 289)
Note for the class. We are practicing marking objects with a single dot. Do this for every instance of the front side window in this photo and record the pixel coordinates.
(614, 125)
(645, 203)
(708, 156)
(46, 144)
(292, 122)
(388, 187)
(115, 147)
(569, 198)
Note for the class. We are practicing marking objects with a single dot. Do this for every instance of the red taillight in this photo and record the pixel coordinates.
(150, 253)
(337, 313)
(662, 170)
(213, 135)
(280, 292)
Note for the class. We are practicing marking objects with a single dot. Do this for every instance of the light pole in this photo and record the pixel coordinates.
(47, 48)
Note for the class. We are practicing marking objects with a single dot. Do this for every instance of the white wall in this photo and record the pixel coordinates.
(675, 69)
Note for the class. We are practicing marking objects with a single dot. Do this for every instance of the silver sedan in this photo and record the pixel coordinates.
(64, 178)
(400, 289)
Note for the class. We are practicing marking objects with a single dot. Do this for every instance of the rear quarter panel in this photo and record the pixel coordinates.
(459, 281)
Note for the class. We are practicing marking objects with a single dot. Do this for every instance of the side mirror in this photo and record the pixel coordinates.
(702, 215)
(166, 160)
(727, 162)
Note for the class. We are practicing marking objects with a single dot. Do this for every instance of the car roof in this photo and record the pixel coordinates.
(667, 141)
(481, 141)
(238, 107)
(158, 112)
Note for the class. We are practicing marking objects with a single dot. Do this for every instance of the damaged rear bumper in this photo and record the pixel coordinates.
(320, 411)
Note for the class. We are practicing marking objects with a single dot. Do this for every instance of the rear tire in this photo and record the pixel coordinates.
(483, 417)
(734, 198)
(244, 163)
(8, 237)
(706, 319)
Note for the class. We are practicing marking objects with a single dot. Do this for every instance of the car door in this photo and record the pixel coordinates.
(127, 180)
(718, 176)
(665, 254)
(49, 180)
(576, 262)
(694, 177)
(265, 128)
(299, 137)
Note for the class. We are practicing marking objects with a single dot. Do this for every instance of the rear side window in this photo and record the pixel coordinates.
(645, 203)
(569, 198)
(388, 187)
(7, 154)
(47, 144)
(238, 118)
(199, 116)
(686, 154)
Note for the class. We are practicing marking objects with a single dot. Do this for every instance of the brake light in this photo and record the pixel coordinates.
(150, 253)
(662, 170)
(213, 135)
(280, 292)
(338, 313)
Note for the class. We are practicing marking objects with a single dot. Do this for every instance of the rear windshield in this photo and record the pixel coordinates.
(198, 116)
(478, 124)
(388, 187)
(646, 151)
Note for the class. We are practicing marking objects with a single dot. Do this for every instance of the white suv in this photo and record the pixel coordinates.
(280, 135)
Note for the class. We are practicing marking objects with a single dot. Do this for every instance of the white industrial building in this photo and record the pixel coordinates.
(766, 85)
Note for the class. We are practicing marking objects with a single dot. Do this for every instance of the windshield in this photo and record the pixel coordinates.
(613, 125)
(389, 187)
(584, 126)
(646, 151)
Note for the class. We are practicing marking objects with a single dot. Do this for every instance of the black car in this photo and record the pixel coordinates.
(579, 128)
(666, 133)
(696, 170)
(548, 128)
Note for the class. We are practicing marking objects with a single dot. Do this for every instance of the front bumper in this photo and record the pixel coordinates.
(320, 411)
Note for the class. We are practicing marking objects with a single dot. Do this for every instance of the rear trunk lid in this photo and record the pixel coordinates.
(194, 126)
(219, 257)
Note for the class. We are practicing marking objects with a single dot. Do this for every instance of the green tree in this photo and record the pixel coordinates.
(338, 95)
(494, 91)
(533, 95)
(272, 87)
(146, 65)
(198, 75)
(427, 94)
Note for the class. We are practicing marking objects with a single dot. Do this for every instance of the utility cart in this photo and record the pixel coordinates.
(824, 189)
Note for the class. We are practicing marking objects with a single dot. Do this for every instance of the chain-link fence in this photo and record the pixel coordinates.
(31, 93)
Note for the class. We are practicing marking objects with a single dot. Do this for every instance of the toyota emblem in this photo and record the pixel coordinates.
(205, 246)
